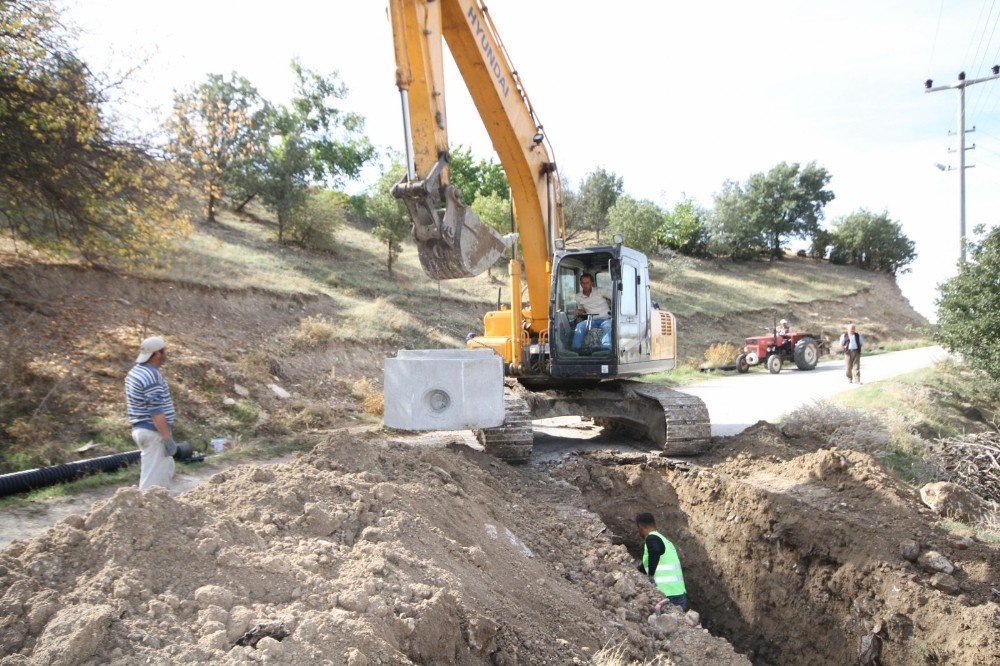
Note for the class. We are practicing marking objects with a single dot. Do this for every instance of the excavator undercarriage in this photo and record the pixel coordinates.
(673, 421)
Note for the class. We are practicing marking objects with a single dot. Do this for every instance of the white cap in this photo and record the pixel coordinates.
(148, 347)
(783, 321)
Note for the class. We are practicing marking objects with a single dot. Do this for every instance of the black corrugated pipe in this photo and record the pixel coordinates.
(32, 479)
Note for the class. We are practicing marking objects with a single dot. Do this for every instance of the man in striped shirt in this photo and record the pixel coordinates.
(151, 413)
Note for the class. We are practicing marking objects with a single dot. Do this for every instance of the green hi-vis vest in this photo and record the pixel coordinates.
(668, 577)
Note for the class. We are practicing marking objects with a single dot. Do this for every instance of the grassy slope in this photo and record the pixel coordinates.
(241, 253)
(320, 345)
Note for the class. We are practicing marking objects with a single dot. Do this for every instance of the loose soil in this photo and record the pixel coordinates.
(793, 552)
(359, 552)
(368, 550)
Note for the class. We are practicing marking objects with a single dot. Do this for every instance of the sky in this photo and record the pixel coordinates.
(674, 97)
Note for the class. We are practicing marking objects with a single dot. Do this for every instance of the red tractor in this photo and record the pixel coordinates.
(776, 349)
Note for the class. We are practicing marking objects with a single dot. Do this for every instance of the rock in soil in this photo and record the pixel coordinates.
(935, 561)
(909, 550)
(953, 501)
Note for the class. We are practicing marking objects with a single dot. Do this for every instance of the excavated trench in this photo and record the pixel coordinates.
(784, 571)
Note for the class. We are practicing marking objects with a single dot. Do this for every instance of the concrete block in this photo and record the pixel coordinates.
(443, 389)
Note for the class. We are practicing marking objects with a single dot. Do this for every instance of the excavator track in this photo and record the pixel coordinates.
(672, 420)
(512, 441)
(686, 426)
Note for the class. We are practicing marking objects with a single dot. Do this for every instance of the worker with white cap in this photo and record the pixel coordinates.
(151, 414)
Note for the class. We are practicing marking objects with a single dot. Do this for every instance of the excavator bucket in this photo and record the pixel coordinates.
(454, 242)
(466, 246)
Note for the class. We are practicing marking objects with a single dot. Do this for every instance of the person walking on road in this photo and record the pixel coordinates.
(851, 341)
(661, 563)
(151, 413)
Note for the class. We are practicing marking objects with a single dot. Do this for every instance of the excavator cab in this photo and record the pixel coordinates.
(589, 346)
(577, 334)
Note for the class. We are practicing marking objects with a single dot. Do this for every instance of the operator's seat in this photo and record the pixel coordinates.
(564, 331)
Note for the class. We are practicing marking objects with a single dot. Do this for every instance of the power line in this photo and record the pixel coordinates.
(978, 64)
(975, 29)
(983, 35)
(937, 29)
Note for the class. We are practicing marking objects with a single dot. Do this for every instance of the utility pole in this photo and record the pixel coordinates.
(961, 85)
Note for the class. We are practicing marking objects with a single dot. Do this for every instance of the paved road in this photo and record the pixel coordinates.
(735, 403)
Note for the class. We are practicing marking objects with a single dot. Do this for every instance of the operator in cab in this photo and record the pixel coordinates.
(595, 305)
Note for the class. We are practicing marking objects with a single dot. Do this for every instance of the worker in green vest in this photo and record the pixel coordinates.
(661, 564)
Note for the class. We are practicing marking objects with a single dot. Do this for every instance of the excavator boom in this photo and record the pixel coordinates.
(454, 242)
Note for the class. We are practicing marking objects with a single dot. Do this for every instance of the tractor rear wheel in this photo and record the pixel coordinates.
(742, 366)
(806, 354)
(774, 364)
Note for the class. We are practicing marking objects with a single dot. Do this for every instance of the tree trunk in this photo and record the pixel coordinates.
(281, 227)
(239, 209)
(389, 262)
(211, 208)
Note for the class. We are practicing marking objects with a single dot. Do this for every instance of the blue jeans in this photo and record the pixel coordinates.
(582, 328)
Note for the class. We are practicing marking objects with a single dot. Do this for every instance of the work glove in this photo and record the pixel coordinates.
(170, 446)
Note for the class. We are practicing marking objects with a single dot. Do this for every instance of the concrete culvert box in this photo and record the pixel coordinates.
(444, 389)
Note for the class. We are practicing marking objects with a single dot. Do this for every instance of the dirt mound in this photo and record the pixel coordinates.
(807, 555)
(357, 552)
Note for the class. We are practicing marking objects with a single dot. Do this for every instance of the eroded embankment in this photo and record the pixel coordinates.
(880, 310)
(800, 556)
(358, 552)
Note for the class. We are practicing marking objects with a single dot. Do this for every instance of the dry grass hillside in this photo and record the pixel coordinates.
(241, 312)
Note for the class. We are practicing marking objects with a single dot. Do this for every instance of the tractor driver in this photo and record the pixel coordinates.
(785, 332)
(597, 304)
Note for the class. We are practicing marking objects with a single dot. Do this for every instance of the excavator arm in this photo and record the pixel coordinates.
(452, 241)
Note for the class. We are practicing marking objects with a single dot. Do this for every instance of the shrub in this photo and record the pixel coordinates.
(834, 425)
(369, 395)
(722, 353)
(314, 224)
(312, 332)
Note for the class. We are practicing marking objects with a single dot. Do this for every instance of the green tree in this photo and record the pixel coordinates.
(335, 136)
(474, 177)
(787, 201)
(311, 142)
(685, 229)
(218, 132)
(731, 231)
(392, 222)
(284, 184)
(969, 306)
(69, 179)
(572, 213)
(639, 223)
(821, 242)
(870, 241)
(599, 190)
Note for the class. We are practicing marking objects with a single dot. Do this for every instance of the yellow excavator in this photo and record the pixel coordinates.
(559, 358)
